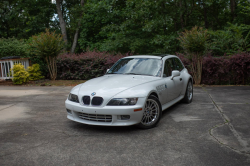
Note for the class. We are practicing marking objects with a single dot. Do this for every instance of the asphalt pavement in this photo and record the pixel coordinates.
(213, 130)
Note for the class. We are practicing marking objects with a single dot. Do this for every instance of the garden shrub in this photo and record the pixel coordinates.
(86, 65)
(34, 72)
(215, 70)
(20, 75)
(232, 70)
(239, 66)
(13, 47)
(231, 40)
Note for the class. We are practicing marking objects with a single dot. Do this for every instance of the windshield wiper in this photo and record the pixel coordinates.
(139, 74)
(132, 73)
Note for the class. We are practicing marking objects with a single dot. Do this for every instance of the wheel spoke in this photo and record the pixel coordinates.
(151, 112)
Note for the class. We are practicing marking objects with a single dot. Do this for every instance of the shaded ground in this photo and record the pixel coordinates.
(212, 130)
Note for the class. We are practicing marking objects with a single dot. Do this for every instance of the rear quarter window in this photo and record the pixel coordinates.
(178, 64)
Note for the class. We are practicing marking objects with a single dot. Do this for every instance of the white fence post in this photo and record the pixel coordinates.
(6, 65)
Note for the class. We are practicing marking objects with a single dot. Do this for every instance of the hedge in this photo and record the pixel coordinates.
(226, 70)
(86, 65)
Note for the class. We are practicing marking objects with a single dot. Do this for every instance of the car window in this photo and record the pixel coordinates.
(169, 67)
(137, 66)
(178, 65)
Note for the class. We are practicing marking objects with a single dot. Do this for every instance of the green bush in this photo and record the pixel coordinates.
(13, 47)
(231, 40)
(20, 75)
(34, 72)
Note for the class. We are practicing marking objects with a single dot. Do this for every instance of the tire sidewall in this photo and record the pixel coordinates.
(159, 117)
(186, 97)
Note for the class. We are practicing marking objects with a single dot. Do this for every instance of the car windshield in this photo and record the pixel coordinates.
(137, 66)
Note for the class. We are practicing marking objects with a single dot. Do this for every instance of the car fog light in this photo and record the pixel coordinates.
(69, 111)
(125, 117)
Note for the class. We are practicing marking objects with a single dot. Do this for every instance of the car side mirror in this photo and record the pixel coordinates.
(107, 70)
(175, 73)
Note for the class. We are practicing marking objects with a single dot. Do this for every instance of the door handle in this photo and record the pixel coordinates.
(180, 79)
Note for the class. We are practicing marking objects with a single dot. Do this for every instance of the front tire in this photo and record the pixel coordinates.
(152, 113)
(189, 93)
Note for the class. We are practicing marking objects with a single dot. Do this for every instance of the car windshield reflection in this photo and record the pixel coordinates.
(137, 66)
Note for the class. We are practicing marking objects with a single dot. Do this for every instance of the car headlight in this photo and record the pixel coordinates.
(122, 101)
(73, 98)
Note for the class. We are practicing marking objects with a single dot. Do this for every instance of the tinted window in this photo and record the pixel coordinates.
(169, 67)
(178, 64)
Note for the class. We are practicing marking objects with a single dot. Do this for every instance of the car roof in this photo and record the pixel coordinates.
(156, 56)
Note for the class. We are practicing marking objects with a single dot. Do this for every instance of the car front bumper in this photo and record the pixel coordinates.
(76, 110)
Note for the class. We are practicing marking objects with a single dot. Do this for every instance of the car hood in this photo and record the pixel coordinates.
(110, 85)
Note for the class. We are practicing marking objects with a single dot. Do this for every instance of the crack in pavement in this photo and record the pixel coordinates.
(243, 143)
(8, 107)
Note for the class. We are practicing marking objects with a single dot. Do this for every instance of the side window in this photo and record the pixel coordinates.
(169, 67)
(178, 65)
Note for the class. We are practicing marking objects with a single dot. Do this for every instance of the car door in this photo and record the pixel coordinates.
(169, 91)
(173, 86)
(178, 81)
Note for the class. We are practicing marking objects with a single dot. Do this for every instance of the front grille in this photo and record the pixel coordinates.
(95, 117)
(86, 100)
(97, 101)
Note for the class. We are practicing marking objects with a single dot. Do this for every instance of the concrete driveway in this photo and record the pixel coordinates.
(213, 130)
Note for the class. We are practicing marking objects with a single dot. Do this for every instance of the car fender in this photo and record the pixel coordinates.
(143, 90)
(186, 78)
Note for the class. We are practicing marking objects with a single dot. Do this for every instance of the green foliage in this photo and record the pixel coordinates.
(147, 26)
(13, 47)
(137, 26)
(48, 45)
(34, 72)
(194, 41)
(20, 75)
(140, 26)
(233, 39)
(22, 19)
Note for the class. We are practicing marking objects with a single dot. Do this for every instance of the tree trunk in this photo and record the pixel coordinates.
(181, 16)
(205, 15)
(62, 22)
(77, 31)
(232, 7)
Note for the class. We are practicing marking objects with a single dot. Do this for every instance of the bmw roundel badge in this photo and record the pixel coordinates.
(93, 94)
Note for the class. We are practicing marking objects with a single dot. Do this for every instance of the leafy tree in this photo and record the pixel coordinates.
(70, 12)
(24, 18)
(48, 45)
(194, 42)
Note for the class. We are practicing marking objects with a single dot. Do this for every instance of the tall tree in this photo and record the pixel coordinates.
(62, 22)
(77, 30)
(232, 7)
(24, 18)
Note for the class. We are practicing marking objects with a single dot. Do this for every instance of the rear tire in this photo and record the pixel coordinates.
(189, 93)
(152, 113)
